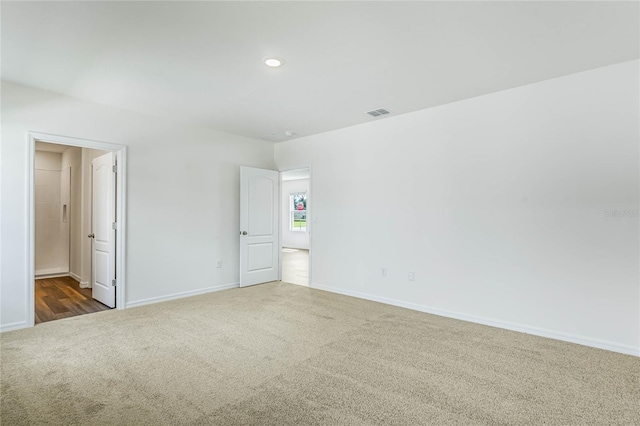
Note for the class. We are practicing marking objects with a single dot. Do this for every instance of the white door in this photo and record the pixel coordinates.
(259, 233)
(104, 235)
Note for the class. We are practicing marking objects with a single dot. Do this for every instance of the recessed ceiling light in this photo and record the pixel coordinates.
(273, 62)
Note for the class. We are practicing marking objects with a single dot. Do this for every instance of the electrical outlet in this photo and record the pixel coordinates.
(219, 263)
(412, 276)
(383, 272)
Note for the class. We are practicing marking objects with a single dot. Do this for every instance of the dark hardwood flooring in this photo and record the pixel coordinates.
(62, 297)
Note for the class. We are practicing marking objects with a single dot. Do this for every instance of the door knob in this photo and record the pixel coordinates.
(244, 232)
(91, 236)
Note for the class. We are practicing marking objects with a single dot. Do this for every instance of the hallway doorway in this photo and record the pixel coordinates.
(295, 224)
(64, 199)
(295, 266)
(73, 216)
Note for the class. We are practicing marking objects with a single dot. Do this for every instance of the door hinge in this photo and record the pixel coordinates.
(114, 225)
(114, 282)
(114, 168)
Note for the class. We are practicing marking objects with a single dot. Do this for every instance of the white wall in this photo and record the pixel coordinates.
(499, 204)
(293, 239)
(183, 194)
(45, 160)
(72, 159)
(51, 231)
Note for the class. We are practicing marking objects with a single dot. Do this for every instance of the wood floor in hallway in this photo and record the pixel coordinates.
(62, 297)
(295, 266)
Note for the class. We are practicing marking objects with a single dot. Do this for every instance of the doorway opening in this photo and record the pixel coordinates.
(76, 215)
(295, 225)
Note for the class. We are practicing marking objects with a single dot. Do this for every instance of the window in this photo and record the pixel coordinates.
(298, 211)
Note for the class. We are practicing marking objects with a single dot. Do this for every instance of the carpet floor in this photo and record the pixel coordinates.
(280, 354)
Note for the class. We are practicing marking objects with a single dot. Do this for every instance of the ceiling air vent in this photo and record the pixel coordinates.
(378, 112)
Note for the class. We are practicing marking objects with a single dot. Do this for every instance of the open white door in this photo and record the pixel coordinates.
(259, 233)
(104, 235)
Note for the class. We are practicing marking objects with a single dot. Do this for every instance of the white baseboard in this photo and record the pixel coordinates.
(302, 285)
(54, 275)
(585, 341)
(13, 326)
(180, 295)
(51, 271)
(81, 284)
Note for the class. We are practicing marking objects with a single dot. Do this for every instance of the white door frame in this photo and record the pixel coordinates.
(310, 214)
(121, 208)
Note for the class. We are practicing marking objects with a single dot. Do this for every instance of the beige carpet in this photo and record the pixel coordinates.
(280, 354)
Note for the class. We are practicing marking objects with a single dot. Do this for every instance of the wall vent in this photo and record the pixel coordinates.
(378, 112)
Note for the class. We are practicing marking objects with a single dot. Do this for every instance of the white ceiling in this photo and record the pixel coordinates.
(50, 147)
(200, 62)
(295, 174)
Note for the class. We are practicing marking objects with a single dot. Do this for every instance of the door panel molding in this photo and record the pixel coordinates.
(103, 248)
(259, 226)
